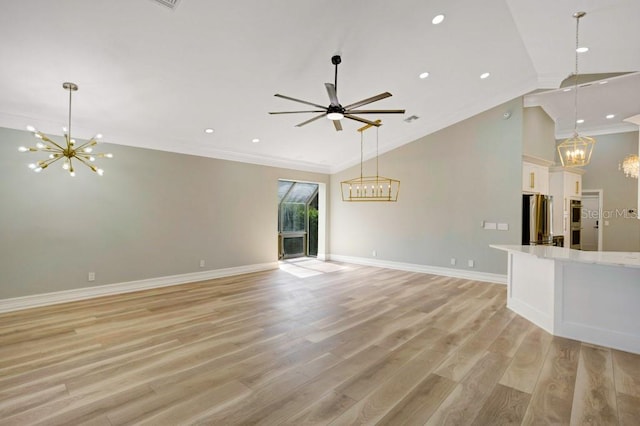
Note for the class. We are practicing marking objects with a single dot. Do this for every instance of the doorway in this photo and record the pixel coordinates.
(592, 225)
(298, 219)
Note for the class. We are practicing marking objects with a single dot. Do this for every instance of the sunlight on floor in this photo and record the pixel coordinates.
(304, 267)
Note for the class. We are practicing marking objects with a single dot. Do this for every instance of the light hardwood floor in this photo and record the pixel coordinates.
(338, 344)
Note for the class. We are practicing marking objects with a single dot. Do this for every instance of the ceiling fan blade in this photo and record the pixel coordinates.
(337, 125)
(375, 111)
(295, 112)
(309, 121)
(333, 95)
(362, 120)
(299, 100)
(368, 100)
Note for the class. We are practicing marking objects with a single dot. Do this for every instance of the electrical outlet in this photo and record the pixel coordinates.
(471, 263)
(202, 263)
(91, 276)
(453, 260)
(374, 253)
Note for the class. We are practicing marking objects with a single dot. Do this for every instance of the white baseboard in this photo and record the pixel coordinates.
(25, 302)
(425, 269)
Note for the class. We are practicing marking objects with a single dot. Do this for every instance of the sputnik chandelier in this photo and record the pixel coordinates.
(576, 151)
(67, 151)
(370, 188)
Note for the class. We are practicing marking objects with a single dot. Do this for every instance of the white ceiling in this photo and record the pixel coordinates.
(154, 77)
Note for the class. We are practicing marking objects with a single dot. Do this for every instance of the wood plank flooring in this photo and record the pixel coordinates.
(311, 344)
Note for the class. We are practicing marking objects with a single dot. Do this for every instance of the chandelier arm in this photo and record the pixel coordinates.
(46, 139)
(49, 161)
(49, 149)
(83, 161)
(91, 142)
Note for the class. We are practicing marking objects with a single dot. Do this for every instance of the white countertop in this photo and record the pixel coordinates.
(612, 258)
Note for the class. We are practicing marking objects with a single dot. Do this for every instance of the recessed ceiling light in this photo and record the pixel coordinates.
(437, 19)
(208, 130)
(424, 75)
(580, 121)
(610, 116)
(255, 140)
(484, 75)
(582, 49)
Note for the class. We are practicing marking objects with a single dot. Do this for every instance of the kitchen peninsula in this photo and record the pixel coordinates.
(584, 295)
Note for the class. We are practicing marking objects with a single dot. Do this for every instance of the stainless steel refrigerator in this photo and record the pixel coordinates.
(537, 219)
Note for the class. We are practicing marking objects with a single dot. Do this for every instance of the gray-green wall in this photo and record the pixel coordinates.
(152, 214)
(538, 139)
(620, 192)
(451, 181)
(156, 214)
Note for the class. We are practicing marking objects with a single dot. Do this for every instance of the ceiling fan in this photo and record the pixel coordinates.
(337, 112)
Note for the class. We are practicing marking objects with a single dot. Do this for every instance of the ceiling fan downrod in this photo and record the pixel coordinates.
(336, 60)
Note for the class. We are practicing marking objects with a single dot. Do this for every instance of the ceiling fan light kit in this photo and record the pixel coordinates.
(335, 111)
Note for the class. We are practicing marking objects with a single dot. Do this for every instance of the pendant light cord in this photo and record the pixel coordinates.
(361, 156)
(377, 174)
(69, 128)
(575, 97)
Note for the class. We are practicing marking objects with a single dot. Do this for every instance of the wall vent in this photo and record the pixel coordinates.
(171, 4)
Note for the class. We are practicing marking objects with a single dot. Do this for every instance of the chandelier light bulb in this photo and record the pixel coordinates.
(31, 128)
(23, 149)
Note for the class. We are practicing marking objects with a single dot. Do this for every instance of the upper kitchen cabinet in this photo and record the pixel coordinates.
(535, 175)
(566, 184)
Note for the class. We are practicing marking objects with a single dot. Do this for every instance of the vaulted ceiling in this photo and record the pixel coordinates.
(155, 77)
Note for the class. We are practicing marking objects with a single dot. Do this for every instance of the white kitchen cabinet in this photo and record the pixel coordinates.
(535, 175)
(573, 185)
(565, 184)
